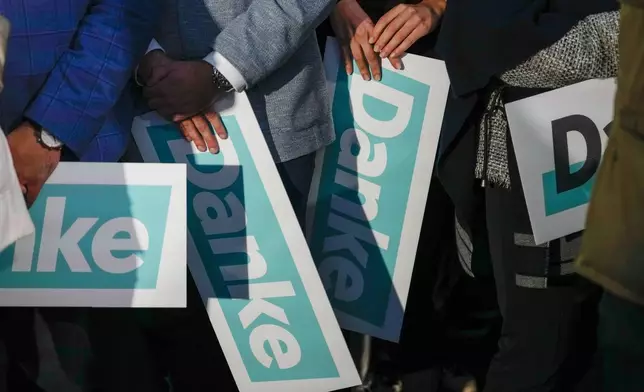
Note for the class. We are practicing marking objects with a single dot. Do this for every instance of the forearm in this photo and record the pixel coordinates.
(91, 75)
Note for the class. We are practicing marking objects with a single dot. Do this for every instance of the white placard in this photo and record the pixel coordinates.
(250, 260)
(107, 235)
(559, 138)
(370, 188)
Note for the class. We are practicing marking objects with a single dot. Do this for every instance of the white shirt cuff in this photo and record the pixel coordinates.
(228, 70)
(154, 45)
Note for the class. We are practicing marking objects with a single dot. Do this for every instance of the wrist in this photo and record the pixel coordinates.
(217, 79)
(436, 6)
(43, 137)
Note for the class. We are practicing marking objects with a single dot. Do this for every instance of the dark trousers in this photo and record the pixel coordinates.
(548, 334)
(621, 340)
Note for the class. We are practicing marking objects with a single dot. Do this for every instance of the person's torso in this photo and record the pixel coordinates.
(291, 104)
(41, 31)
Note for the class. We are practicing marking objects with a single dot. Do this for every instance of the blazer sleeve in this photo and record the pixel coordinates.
(260, 40)
(92, 73)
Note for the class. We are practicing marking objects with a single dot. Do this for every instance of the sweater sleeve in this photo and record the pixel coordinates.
(588, 51)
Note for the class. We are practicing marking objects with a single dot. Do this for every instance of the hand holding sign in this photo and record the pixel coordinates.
(353, 27)
(402, 26)
(181, 91)
(185, 89)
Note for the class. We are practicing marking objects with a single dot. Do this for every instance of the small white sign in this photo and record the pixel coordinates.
(107, 235)
(559, 138)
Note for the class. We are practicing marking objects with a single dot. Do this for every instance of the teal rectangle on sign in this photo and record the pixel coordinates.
(355, 237)
(91, 237)
(243, 250)
(559, 202)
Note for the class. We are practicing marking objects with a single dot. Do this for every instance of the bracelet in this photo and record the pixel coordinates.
(136, 77)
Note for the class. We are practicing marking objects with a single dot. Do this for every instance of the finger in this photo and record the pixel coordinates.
(348, 59)
(203, 127)
(358, 55)
(396, 62)
(214, 120)
(398, 38)
(373, 60)
(411, 39)
(388, 34)
(384, 21)
(191, 134)
(33, 190)
(181, 117)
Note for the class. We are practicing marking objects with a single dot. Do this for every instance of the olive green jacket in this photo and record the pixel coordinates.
(612, 253)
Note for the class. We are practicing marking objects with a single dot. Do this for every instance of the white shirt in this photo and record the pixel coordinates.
(15, 221)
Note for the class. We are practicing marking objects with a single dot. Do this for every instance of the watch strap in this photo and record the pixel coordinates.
(220, 81)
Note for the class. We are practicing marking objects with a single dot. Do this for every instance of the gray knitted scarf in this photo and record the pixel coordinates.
(588, 51)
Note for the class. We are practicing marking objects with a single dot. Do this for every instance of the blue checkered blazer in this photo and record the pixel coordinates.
(69, 65)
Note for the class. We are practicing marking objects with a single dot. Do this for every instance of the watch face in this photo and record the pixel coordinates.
(50, 141)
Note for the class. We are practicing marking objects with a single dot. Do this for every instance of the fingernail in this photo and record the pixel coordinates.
(224, 137)
(377, 77)
(376, 48)
(383, 55)
(214, 150)
(371, 40)
(201, 148)
(366, 77)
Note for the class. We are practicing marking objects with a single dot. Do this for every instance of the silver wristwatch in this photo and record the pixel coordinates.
(220, 81)
(47, 140)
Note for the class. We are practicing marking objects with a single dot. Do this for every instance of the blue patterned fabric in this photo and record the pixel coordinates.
(69, 65)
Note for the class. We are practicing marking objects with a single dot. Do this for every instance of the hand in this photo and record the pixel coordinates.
(185, 88)
(353, 27)
(152, 67)
(197, 129)
(403, 25)
(33, 162)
